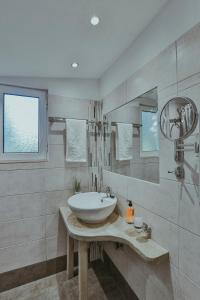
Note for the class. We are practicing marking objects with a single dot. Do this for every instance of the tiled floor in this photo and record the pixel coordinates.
(101, 287)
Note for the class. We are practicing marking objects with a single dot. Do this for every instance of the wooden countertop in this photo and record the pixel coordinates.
(114, 229)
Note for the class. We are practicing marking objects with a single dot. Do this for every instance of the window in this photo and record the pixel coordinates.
(149, 142)
(23, 120)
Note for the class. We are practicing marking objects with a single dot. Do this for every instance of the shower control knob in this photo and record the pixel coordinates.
(179, 172)
(196, 147)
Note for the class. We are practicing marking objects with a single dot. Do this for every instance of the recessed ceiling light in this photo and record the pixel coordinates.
(74, 65)
(94, 20)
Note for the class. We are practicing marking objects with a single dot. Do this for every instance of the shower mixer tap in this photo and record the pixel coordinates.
(179, 172)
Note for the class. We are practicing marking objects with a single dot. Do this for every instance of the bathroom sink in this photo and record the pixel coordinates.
(92, 207)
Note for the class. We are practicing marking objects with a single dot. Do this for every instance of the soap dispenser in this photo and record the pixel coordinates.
(130, 213)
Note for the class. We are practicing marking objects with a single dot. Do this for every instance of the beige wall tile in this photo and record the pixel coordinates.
(22, 255)
(20, 231)
(54, 179)
(22, 206)
(190, 208)
(187, 53)
(56, 247)
(18, 182)
(189, 259)
(189, 82)
(184, 288)
(52, 225)
(160, 72)
(60, 106)
(56, 199)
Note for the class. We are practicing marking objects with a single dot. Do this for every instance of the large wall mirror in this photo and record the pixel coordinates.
(131, 138)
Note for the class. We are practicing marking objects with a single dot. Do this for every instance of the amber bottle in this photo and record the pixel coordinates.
(130, 213)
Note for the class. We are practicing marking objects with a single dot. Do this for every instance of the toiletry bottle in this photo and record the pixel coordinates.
(130, 213)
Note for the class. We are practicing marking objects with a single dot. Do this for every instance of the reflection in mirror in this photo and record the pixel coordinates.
(131, 138)
(178, 118)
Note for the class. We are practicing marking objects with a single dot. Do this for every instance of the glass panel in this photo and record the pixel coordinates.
(150, 140)
(20, 124)
(131, 138)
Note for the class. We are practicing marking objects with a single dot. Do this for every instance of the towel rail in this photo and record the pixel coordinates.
(58, 119)
(134, 124)
(62, 120)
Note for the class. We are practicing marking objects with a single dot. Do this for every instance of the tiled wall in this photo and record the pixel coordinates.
(31, 193)
(95, 146)
(171, 208)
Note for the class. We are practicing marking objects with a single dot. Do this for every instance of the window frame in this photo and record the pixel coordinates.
(144, 154)
(42, 95)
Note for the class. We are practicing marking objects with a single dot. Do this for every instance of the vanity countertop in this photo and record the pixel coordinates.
(114, 229)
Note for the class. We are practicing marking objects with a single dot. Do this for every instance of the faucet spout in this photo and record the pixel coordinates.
(108, 191)
(147, 230)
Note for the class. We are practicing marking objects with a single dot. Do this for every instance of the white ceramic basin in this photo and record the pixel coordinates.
(92, 207)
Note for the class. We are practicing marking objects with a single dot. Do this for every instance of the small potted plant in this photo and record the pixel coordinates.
(77, 186)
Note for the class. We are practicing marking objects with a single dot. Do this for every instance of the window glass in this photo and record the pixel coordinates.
(20, 128)
(150, 139)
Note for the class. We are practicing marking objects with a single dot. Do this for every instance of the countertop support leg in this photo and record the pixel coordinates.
(70, 257)
(83, 270)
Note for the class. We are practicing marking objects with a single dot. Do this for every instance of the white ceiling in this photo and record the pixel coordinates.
(42, 37)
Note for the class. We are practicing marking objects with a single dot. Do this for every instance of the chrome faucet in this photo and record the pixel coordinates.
(108, 191)
(147, 230)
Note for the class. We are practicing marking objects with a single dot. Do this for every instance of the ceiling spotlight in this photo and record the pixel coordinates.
(74, 65)
(94, 20)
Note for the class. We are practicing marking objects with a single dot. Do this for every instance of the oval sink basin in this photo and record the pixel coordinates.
(92, 207)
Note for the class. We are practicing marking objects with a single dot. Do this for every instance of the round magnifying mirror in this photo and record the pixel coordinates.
(178, 118)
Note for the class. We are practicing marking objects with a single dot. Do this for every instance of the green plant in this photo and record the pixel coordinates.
(77, 185)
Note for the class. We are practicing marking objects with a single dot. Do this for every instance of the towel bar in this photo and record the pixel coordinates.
(134, 124)
(61, 120)
(58, 119)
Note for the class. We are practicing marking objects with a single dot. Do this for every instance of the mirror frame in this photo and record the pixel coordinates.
(194, 123)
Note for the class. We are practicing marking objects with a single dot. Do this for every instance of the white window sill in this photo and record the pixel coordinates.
(14, 161)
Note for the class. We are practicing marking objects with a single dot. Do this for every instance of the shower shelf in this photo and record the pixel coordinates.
(114, 229)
